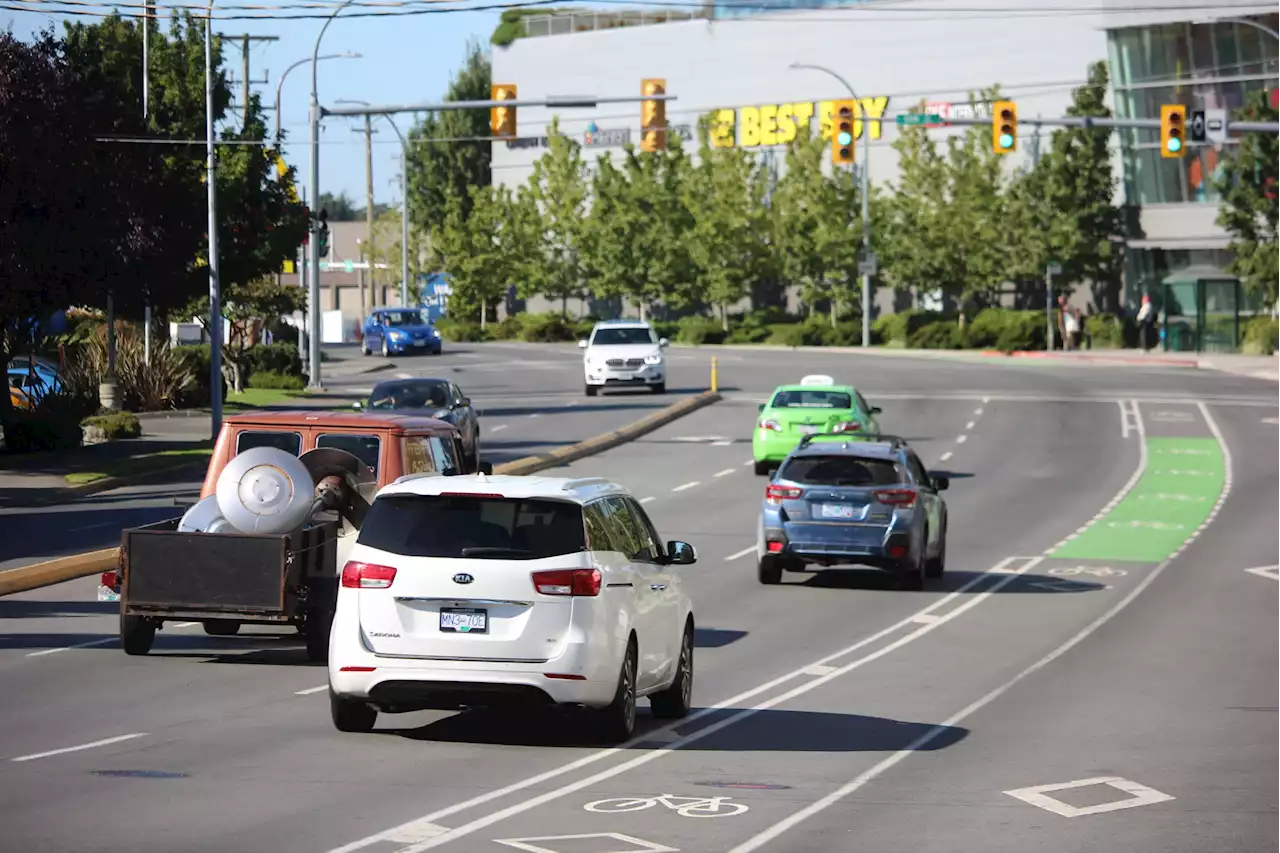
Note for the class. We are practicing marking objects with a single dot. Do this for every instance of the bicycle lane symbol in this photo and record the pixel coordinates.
(683, 806)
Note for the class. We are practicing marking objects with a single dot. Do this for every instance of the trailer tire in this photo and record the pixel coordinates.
(137, 634)
(221, 627)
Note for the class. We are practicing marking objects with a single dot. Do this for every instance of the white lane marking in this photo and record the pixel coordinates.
(744, 552)
(642, 846)
(1271, 421)
(1124, 419)
(819, 670)
(986, 400)
(944, 457)
(646, 500)
(749, 463)
(534, 415)
(970, 424)
(404, 376)
(498, 428)
(926, 618)
(105, 742)
(93, 643)
(962, 439)
(684, 486)
(978, 411)
(693, 737)
(418, 831)
(311, 690)
(1272, 572)
(723, 443)
(725, 473)
(921, 742)
(1140, 795)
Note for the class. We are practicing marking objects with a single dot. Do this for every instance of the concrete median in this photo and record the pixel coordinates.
(47, 573)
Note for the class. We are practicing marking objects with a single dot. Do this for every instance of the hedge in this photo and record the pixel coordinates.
(115, 425)
(1259, 336)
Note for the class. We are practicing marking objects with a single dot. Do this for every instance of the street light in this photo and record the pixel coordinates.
(866, 202)
(347, 55)
(313, 245)
(404, 206)
(215, 288)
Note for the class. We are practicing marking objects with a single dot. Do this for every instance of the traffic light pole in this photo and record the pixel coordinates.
(1111, 123)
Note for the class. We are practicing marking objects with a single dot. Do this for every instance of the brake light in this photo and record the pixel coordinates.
(356, 575)
(110, 579)
(568, 582)
(774, 547)
(771, 425)
(847, 426)
(775, 495)
(897, 497)
(897, 552)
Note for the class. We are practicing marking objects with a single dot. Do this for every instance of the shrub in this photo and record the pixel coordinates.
(582, 328)
(1260, 336)
(699, 330)
(748, 334)
(942, 334)
(667, 329)
(810, 333)
(984, 330)
(507, 329)
(896, 329)
(115, 425)
(270, 379)
(1021, 331)
(545, 328)
(54, 424)
(141, 386)
(1105, 331)
(461, 330)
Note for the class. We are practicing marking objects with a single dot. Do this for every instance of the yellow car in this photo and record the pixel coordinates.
(19, 399)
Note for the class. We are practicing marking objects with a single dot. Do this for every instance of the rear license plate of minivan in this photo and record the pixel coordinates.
(457, 620)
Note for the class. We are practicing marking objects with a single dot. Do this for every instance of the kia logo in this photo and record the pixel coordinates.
(462, 578)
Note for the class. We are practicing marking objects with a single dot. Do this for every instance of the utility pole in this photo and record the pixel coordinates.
(146, 100)
(368, 213)
(245, 41)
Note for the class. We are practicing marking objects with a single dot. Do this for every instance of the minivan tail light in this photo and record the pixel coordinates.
(582, 582)
(897, 497)
(357, 575)
(775, 495)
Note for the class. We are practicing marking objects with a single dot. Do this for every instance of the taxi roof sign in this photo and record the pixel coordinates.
(817, 379)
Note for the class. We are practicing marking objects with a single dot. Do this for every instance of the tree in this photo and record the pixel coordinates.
(444, 171)
(552, 214)
(913, 237)
(1064, 209)
(476, 252)
(1249, 203)
(387, 235)
(975, 213)
(340, 207)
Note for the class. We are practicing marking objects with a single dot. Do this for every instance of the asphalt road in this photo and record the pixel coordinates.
(1076, 637)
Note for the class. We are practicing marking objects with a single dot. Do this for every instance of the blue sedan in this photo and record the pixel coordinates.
(837, 502)
(399, 331)
(34, 382)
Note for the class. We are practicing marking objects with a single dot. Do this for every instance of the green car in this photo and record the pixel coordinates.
(816, 405)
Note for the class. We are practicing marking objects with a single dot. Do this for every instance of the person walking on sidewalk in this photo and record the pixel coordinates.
(1146, 322)
(1070, 327)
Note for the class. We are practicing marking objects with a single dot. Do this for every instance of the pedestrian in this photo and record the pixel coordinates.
(1146, 322)
(1070, 327)
(1062, 321)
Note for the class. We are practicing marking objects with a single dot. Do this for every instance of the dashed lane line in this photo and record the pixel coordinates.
(970, 424)
(79, 747)
(961, 439)
(648, 499)
(725, 473)
(498, 428)
(682, 487)
(311, 690)
(744, 552)
(104, 641)
(944, 457)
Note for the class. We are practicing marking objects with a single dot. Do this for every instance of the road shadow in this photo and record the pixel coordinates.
(47, 535)
(855, 579)
(715, 638)
(29, 609)
(181, 643)
(941, 472)
(764, 731)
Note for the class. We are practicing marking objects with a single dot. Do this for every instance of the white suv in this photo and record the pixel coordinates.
(481, 590)
(624, 353)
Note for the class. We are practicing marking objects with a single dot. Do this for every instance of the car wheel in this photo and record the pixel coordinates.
(351, 715)
(617, 721)
(935, 567)
(769, 570)
(911, 574)
(364, 347)
(592, 390)
(677, 700)
(221, 627)
(386, 353)
(762, 468)
(137, 633)
(659, 388)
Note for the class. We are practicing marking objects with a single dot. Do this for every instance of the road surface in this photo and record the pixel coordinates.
(1097, 669)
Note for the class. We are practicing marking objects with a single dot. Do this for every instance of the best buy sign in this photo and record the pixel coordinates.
(778, 124)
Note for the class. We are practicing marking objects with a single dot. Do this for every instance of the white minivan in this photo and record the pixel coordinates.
(486, 590)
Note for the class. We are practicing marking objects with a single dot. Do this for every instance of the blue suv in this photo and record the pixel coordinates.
(836, 502)
(398, 331)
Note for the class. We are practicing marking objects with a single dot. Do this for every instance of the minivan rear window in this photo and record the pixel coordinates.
(475, 528)
(289, 442)
(841, 471)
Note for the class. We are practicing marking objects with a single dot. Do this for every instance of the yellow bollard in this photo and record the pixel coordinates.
(715, 383)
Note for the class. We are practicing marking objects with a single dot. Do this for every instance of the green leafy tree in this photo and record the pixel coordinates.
(340, 207)
(913, 236)
(1064, 209)
(476, 250)
(553, 211)
(976, 214)
(612, 255)
(387, 236)
(1248, 211)
(443, 171)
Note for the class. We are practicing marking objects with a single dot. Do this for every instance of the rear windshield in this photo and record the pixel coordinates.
(289, 442)
(841, 471)
(812, 400)
(366, 448)
(473, 528)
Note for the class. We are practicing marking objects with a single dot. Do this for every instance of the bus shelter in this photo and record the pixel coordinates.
(1200, 310)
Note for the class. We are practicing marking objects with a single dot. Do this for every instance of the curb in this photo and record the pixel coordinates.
(605, 441)
(50, 572)
(1097, 359)
(56, 496)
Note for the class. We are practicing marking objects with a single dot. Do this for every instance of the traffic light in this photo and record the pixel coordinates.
(842, 134)
(502, 120)
(1004, 127)
(1173, 130)
(322, 233)
(653, 116)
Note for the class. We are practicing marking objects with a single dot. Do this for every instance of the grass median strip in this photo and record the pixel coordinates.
(144, 464)
(1174, 496)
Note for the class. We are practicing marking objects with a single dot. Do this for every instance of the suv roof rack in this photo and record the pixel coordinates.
(894, 441)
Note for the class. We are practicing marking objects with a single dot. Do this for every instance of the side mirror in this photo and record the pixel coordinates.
(875, 410)
(663, 342)
(582, 344)
(465, 401)
(941, 483)
(760, 408)
(358, 406)
(485, 468)
(681, 553)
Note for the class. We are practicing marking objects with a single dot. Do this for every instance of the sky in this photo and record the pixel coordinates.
(405, 59)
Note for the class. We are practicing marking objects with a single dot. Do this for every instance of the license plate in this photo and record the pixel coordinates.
(106, 593)
(421, 343)
(625, 377)
(836, 511)
(464, 621)
(809, 429)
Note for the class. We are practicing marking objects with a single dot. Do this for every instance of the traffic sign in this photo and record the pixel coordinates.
(1216, 126)
(1054, 268)
(349, 266)
(919, 118)
(867, 266)
(1197, 126)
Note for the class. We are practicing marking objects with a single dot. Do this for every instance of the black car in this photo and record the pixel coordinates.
(436, 398)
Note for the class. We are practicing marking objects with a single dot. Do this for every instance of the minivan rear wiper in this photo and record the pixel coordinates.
(495, 551)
